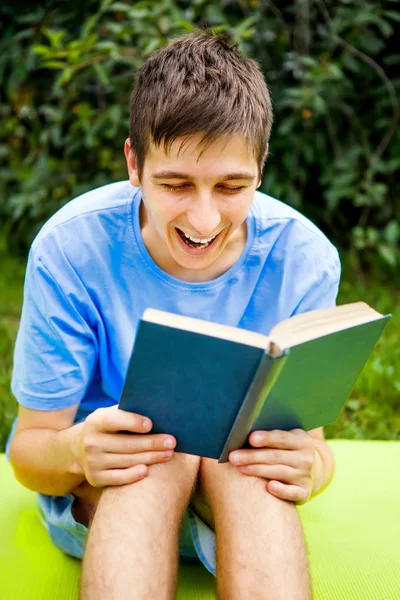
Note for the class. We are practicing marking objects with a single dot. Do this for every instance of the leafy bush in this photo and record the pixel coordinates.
(331, 66)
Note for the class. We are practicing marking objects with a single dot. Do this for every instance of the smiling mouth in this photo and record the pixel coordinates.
(190, 241)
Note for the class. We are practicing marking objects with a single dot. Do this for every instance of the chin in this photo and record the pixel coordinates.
(194, 263)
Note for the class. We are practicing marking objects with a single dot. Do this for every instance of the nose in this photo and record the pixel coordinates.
(204, 216)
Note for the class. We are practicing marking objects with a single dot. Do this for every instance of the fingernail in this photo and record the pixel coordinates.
(168, 453)
(141, 471)
(146, 424)
(235, 458)
(169, 443)
(256, 438)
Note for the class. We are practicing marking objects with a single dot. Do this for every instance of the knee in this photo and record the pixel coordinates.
(179, 472)
(174, 479)
(222, 480)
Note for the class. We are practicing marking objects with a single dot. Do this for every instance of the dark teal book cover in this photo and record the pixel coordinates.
(190, 385)
(210, 393)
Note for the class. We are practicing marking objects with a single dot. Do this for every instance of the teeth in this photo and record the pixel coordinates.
(197, 241)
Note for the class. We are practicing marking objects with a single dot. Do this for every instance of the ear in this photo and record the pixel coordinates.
(131, 163)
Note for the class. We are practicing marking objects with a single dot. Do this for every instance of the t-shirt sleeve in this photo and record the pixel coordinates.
(55, 350)
(323, 285)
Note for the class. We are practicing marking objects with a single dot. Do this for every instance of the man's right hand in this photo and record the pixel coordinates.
(109, 457)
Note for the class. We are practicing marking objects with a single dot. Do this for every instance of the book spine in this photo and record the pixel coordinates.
(257, 394)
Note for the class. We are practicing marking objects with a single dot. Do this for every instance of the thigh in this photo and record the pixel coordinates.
(212, 475)
(182, 469)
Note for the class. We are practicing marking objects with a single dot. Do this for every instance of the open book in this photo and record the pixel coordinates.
(211, 385)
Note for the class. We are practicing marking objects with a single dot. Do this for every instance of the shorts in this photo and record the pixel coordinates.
(196, 542)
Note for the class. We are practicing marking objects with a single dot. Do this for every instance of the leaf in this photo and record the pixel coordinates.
(115, 113)
(393, 15)
(138, 14)
(64, 78)
(42, 50)
(386, 28)
(107, 45)
(105, 5)
(54, 37)
(353, 405)
(371, 44)
(351, 63)
(88, 26)
(53, 64)
(319, 104)
(240, 29)
(119, 7)
(101, 74)
(365, 17)
(186, 25)
(361, 200)
(151, 46)
(334, 195)
(344, 179)
(392, 232)
(287, 125)
(335, 71)
(388, 254)
(372, 236)
(308, 61)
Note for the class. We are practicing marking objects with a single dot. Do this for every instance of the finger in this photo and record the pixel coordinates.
(113, 419)
(279, 472)
(293, 493)
(120, 476)
(274, 456)
(125, 461)
(122, 443)
(276, 438)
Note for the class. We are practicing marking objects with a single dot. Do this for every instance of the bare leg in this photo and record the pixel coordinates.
(132, 548)
(261, 551)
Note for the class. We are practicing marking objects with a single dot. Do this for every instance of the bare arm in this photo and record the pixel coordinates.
(44, 451)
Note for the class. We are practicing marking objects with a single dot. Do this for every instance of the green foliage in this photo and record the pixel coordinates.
(373, 410)
(67, 72)
(11, 279)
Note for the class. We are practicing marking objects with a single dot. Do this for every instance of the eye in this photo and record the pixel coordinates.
(231, 190)
(174, 188)
(184, 186)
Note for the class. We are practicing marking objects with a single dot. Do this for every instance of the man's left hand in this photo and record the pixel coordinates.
(287, 459)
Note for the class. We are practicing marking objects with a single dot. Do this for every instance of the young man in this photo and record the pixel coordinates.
(188, 233)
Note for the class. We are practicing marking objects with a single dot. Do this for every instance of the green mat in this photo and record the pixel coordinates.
(352, 532)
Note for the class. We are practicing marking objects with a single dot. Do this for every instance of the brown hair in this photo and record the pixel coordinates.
(199, 83)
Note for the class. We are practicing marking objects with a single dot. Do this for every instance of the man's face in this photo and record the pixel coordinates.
(193, 205)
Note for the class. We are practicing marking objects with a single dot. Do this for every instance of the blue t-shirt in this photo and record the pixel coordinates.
(90, 277)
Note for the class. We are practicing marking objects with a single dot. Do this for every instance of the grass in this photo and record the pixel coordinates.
(372, 411)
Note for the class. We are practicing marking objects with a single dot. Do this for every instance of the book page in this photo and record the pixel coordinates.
(308, 326)
(224, 332)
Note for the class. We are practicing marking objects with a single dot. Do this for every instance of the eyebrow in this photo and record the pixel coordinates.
(227, 177)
